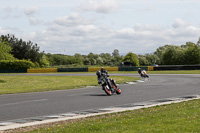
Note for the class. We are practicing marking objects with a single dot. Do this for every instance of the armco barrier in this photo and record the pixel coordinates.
(13, 70)
(72, 69)
(42, 70)
(132, 68)
(150, 68)
(94, 69)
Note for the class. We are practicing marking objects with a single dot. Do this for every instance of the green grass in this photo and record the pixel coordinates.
(163, 72)
(21, 84)
(175, 72)
(181, 117)
(2, 81)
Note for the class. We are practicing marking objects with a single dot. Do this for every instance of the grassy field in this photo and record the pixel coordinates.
(163, 72)
(181, 117)
(22, 84)
(175, 72)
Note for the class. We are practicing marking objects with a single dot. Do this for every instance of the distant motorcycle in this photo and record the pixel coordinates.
(108, 84)
(144, 74)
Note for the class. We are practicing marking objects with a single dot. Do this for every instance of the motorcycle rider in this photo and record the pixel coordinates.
(101, 75)
(104, 71)
(142, 73)
(139, 71)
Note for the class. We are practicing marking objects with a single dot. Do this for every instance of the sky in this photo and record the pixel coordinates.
(100, 26)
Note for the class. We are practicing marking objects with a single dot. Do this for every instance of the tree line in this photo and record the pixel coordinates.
(12, 48)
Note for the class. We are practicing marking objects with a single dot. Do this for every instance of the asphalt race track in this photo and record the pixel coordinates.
(19, 106)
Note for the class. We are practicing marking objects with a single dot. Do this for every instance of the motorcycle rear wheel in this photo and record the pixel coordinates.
(117, 90)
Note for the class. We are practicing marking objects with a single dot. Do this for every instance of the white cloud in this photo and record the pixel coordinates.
(99, 6)
(148, 8)
(11, 31)
(2, 31)
(31, 10)
(83, 32)
(11, 13)
(8, 9)
(34, 21)
(178, 23)
(71, 20)
(30, 13)
(142, 38)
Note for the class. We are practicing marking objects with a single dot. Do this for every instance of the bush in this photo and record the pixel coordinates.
(16, 64)
(131, 57)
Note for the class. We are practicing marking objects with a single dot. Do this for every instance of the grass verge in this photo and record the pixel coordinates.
(162, 72)
(22, 84)
(2, 81)
(177, 117)
(129, 72)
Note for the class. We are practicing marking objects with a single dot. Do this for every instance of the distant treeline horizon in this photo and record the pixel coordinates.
(12, 48)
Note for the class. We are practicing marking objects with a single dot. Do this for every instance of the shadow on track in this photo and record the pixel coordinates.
(98, 95)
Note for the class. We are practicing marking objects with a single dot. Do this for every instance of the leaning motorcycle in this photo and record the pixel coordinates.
(144, 74)
(109, 86)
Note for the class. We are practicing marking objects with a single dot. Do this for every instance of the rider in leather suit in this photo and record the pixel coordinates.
(100, 75)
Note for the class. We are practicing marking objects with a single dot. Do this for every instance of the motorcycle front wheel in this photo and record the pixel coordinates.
(107, 90)
(118, 91)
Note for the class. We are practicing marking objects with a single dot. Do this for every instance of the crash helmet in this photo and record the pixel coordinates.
(98, 73)
(102, 69)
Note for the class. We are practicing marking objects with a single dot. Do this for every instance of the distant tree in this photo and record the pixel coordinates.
(5, 51)
(86, 61)
(106, 57)
(44, 61)
(116, 58)
(115, 53)
(57, 59)
(142, 60)
(22, 49)
(72, 60)
(152, 59)
(174, 55)
(93, 58)
(131, 57)
(198, 42)
(161, 49)
(192, 55)
(79, 59)
(99, 61)
(188, 44)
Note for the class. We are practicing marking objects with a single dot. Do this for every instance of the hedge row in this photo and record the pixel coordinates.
(16, 64)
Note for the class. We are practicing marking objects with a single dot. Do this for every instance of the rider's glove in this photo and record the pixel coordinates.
(99, 82)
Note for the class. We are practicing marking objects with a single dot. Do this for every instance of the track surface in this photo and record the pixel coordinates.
(18, 106)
